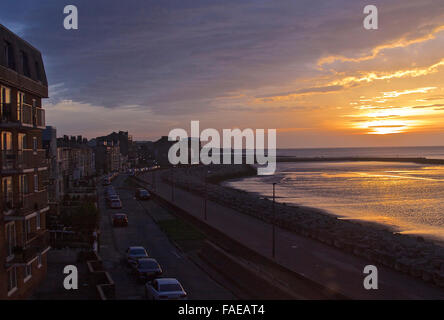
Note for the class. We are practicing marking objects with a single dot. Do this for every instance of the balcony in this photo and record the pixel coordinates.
(23, 159)
(34, 201)
(29, 159)
(27, 204)
(28, 116)
(29, 249)
(9, 159)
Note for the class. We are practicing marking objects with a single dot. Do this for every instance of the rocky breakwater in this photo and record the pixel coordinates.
(411, 255)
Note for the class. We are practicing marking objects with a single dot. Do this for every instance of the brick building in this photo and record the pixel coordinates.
(108, 157)
(23, 168)
(77, 161)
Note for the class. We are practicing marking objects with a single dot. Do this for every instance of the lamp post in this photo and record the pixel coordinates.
(206, 194)
(273, 247)
(172, 185)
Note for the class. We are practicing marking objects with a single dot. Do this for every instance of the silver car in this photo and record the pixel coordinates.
(165, 289)
(115, 204)
(135, 253)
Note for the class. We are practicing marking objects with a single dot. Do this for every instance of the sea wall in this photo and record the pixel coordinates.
(411, 255)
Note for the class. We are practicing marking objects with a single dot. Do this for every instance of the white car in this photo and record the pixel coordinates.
(115, 204)
(135, 253)
(165, 289)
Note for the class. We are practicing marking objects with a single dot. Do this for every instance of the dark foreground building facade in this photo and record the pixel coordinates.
(23, 168)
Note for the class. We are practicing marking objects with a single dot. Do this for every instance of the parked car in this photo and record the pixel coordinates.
(109, 195)
(147, 269)
(120, 220)
(112, 197)
(115, 204)
(135, 253)
(165, 289)
(110, 190)
(107, 190)
(142, 194)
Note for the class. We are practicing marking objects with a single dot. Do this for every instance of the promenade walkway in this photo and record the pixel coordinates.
(321, 263)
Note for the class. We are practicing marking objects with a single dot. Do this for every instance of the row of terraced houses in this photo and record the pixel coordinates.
(24, 240)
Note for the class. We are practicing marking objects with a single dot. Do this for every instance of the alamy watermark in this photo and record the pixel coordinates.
(371, 280)
(189, 149)
(371, 20)
(71, 281)
(71, 21)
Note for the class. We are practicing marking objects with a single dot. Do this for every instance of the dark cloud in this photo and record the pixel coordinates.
(178, 56)
(324, 89)
(170, 56)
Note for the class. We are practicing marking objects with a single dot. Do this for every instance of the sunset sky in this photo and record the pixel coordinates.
(306, 68)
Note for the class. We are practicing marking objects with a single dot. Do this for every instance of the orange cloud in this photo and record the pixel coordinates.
(400, 43)
(372, 76)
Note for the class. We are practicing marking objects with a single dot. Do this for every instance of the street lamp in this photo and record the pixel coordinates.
(206, 194)
(172, 185)
(273, 248)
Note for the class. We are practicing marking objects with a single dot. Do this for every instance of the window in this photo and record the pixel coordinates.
(37, 72)
(6, 140)
(36, 183)
(22, 141)
(9, 55)
(5, 100)
(7, 191)
(167, 287)
(20, 101)
(25, 141)
(27, 229)
(28, 272)
(7, 154)
(10, 238)
(5, 95)
(23, 184)
(34, 144)
(12, 279)
(37, 221)
(25, 64)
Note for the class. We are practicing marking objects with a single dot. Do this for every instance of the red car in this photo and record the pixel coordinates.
(120, 220)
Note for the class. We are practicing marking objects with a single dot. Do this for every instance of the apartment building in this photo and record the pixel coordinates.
(108, 156)
(24, 240)
(115, 151)
(77, 160)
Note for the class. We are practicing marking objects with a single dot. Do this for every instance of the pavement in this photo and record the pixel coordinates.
(316, 261)
(52, 286)
(143, 231)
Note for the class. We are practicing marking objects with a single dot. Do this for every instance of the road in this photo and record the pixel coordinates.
(322, 264)
(143, 231)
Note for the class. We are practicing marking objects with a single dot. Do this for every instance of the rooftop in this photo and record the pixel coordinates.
(21, 65)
